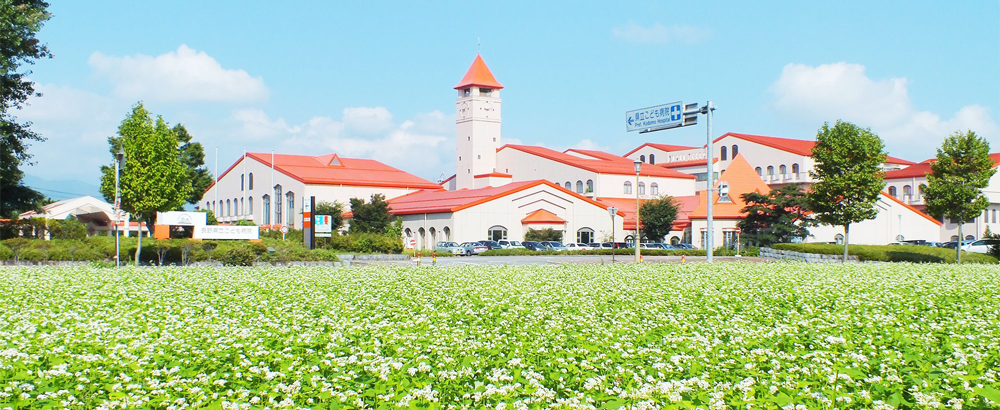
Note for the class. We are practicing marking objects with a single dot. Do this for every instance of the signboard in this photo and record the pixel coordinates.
(657, 117)
(324, 226)
(226, 232)
(181, 218)
(410, 243)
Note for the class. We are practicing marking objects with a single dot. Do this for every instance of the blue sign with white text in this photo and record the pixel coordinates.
(660, 116)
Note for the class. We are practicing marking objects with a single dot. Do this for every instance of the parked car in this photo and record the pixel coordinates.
(511, 244)
(473, 248)
(555, 246)
(451, 247)
(491, 244)
(981, 246)
(953, 244)
(534, 246)
(652, 245)
(684, 246)
(594, 245)
(578, 246)
(614, 245)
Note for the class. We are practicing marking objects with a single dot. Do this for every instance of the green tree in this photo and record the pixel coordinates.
(545, 234)
(955, 184)
(192, 155)
(778, 216)
(20, 20)
(370, 217)
(210, 217)
(657, 217)
(848, 176)
(152, 178)
(335, 210)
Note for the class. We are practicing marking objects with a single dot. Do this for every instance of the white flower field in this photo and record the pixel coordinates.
(730, 335)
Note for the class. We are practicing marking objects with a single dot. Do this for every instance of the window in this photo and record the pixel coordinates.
(569, 186)
(839, 239)
(250, 182)
(447, 233)
(579, 187)
(236, 206)
(736, 150)
(654, 189)
(642, 158)
(466, 92)
(994, 216)
(642, 188)
(485, 91)
(250, 206)
(760, 172)
(242, 177)
(590, 185)
(265, 209)
(243, 209)
(782, 170)
(722, 156)
(795, 169)
(770, 170)
(907, 192)
(585, 235)
(290, 196)
(277, 204)
(628, 187)
(892, 191)
(229, 208)
(496, 233)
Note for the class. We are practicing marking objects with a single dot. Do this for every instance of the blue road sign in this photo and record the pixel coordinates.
(658, 117)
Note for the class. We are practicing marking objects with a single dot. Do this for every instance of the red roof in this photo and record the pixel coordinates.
(741, 178)
(542, 216)
(597, 154)
(479, 74)
(493, 175)
(912, 171)
(330, 169)
(661, 147)
(437, 201)
(685, 204)
(915, 210)
(613, 165)
(799, 147)
(682, 164)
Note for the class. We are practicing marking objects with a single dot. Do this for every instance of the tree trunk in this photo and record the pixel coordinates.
(958, 247)
(138, 248)
(847, 240)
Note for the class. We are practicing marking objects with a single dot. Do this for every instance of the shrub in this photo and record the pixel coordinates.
(889, 253)
(6, 253)
(238, 256)
(67, 229)
(366, 243)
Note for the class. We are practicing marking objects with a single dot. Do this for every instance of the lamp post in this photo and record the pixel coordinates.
(119, 158)
(612, 210)
(638, 166)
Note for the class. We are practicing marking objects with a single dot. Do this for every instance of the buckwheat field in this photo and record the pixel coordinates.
(730, 335)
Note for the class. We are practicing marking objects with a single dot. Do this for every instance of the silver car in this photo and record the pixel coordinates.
(451, 247)
(472, 248)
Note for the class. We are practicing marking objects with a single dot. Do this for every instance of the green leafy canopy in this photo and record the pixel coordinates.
(955, 184)
(657, 217)
(778, 216)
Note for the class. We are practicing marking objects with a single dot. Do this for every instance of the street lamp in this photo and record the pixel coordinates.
(638, 166)
(612, 210)
(119, 160)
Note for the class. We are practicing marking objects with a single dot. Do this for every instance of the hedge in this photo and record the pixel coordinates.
(623, 252)
(888, 253)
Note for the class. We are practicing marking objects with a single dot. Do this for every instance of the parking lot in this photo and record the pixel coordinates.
(555, 259)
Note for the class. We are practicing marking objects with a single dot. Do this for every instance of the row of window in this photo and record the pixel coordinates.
(249, 180)
(782, 170)
(579, 186)
(654, 188)
(652, 159)
(907, 191)
(235, 207)
(722, 152)
(499, 233)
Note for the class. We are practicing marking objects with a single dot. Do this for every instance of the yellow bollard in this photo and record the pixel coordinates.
(434, 258)
(683, 258)
(418, 258)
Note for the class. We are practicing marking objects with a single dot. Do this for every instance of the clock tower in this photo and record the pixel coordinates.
(477, 124)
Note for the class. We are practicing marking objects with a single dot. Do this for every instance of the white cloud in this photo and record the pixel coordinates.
(661, 34)
(844, 91)
(423, 146)
(587, 144)
(182, 75)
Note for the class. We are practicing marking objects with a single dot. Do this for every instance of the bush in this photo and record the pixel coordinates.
(888, 253)
(366, 243)
(67, 229)
(238, 256)
(6, 253)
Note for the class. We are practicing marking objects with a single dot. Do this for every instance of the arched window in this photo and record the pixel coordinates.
(236, 207)
(654, 189)
(628, 187)
(447, 233)
(652, 159)
(229, 208)
(585, 235)
(642, 188)
(265, 210)
(277, 204)
(892, 191)
(782, 169)
(770, 170)
(970, 237)
(422, 241)
(839, 239)
(243, 208)
(242, 177)
(496, 233)
(994, 216)
(569, 186)
(642, 158)
(579, 187)
(736, 150)
(250, 183)
(290, 196)
(722, 155)
(249, 210)
(907, 192)
(433, 233)
(590, 185)
(795, 169)
(760, 172)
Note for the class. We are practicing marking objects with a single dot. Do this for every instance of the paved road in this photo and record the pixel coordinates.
(552, 259)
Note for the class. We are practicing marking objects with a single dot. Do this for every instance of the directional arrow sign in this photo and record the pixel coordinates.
(658, 117)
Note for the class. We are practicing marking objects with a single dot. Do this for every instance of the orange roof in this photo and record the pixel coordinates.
(438, 201)
(798, 147)
(661, 147)
(542, 216)
(330, 169)
(598, 154)
(994, 156)
(682, 164)
(915, 210)
(613, 165)
(742, 179)
(912, 171)
(493, 175)
(685, 204)
(479, 74)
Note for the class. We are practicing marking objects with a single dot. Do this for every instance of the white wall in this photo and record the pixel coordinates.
(477, 133)
(763, 156)
(892, 220)
(663, 157)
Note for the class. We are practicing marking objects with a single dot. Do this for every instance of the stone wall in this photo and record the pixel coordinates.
(768, 253)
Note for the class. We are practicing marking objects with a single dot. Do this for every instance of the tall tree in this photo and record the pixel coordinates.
(848, 176)
(777, 216)
(192, 155)
(152, 177)
(955, 184)
(370, 217)
(657, 217)
(20, 20)
(335, 210)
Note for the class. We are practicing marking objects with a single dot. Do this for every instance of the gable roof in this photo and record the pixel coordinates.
(612, 165)
(912, 209)
(661, 147)
(542, 216)
(742, 179)
(794, 146)
(331, 169)
(479, 74)
(440, 201)
(924, 168)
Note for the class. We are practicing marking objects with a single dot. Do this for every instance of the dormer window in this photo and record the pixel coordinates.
(487, 92)
(466, 92)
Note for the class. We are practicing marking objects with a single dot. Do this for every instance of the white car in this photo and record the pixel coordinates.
(578, 247)
(511, 244)
(981, 246)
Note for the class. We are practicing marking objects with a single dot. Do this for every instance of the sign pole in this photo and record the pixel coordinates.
(709, 151)
(308, 231)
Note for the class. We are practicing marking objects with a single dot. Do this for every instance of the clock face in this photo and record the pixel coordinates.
(463, 110)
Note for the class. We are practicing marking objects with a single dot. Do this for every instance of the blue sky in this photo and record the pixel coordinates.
(375, 80)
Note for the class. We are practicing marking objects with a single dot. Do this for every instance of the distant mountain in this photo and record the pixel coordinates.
(63, 188)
